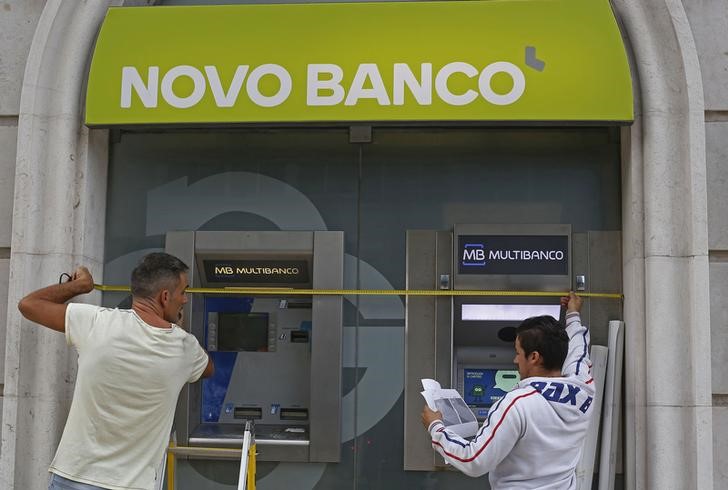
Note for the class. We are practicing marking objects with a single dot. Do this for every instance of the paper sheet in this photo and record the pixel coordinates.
(456, 415)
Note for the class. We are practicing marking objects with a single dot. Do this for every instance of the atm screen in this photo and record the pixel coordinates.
(242, 332)
(483, 387)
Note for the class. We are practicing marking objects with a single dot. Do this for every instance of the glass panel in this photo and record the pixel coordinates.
(314, 179)
(235, 180)
(436, 178)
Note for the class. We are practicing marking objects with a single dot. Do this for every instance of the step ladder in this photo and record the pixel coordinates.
(246, 479)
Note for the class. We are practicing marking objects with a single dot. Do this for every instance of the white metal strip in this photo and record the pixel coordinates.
(612, 405)
(585, 468)
(243, 478)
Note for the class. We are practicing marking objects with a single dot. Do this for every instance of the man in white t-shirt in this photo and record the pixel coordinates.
(132, 365)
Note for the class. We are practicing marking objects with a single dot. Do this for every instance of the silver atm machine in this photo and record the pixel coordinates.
(277, 356)
(466, 342)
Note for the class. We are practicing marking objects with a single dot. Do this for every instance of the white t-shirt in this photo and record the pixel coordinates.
(129, 378)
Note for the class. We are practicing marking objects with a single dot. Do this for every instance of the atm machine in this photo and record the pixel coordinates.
(277, 356)
(466, 342)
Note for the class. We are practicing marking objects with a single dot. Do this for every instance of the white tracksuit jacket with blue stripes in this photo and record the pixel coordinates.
(533, 436)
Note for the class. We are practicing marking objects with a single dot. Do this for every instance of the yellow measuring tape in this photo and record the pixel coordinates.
(239, 291)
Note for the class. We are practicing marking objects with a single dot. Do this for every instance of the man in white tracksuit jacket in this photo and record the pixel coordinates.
(533, 436)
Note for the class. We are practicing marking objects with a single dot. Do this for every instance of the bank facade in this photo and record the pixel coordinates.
(358, 140)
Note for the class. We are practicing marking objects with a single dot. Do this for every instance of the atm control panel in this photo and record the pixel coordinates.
(262, 352)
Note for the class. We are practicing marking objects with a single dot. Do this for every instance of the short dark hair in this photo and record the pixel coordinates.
(547, 336)
(156, 271)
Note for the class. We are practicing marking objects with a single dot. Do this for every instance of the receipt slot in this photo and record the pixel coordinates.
(277, 356)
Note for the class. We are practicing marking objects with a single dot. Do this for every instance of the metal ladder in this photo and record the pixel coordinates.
(246, 479)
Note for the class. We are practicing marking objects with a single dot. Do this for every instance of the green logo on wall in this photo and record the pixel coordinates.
(561, 60)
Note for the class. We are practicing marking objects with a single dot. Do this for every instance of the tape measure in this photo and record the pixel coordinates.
(242, 291)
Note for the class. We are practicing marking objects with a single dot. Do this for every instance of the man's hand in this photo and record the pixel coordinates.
(428, 416)
(572, 302)
(82, 281)
(47, 306)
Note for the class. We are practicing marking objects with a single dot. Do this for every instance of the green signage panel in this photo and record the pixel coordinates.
(498, 60)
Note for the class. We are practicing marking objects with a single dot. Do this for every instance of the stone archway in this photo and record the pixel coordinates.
(58, 223)
(668, 436)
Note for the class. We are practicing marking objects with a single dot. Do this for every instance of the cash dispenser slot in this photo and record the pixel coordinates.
(299, 336)
(294, 414)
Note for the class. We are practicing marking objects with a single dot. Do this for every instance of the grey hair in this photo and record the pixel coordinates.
(155, 272)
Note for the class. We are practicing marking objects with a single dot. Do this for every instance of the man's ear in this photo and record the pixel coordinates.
(164, 297)
(534, 357)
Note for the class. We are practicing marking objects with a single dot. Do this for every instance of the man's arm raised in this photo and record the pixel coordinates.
(577, 359)
(47, 306)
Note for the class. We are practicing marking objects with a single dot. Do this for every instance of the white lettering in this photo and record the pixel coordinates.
(519, 83)
(130, 78)
(228, 99)
(441, 83)
(420, 89)
(475, 254)
(253, 87)
(262, 270)
(324, 85)
(522, 255)
(315, 84)
(357, 91)
(197, 92)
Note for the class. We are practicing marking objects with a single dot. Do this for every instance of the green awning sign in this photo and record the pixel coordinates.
(499, 60)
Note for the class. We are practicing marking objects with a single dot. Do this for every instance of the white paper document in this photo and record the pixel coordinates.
(456, 415)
